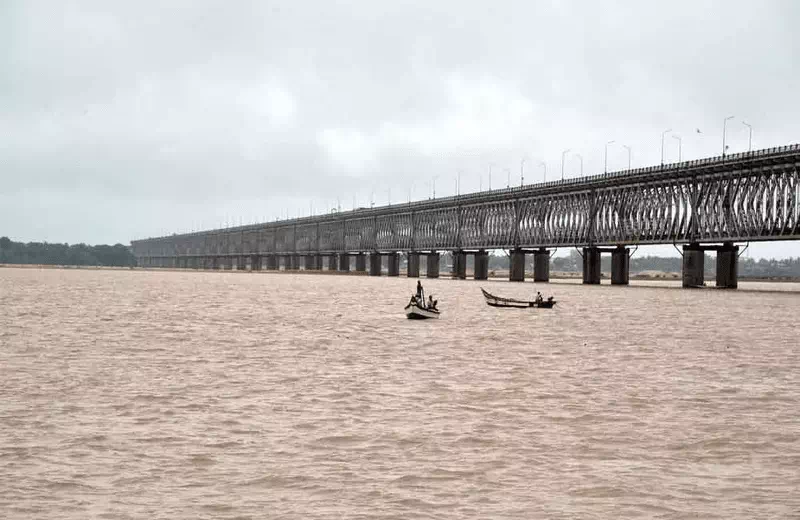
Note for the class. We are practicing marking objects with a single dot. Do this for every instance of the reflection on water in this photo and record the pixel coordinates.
(135, 394)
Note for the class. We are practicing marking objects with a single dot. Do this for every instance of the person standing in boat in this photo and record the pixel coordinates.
(539, 297)
(420, 292)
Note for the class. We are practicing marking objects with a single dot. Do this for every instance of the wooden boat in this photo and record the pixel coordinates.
(414, 311)
(497, 301)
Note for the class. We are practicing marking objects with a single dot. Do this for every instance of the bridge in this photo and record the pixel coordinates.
(701, 205)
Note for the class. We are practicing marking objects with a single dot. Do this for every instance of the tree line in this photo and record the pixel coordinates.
(44, 253)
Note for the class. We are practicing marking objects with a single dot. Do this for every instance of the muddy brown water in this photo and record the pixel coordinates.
(146, 394)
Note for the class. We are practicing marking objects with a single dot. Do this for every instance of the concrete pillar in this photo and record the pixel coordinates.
(393, 261)
(620, 266)
(481, 267)
(460, 265)
(541, 265)
(255, 263)
(413, 265)
(361, 262)
(591, 265)
(516, 268)
(433, 265)
(693, 266)
(374, 264)
(296, 262)
(332, 262)
(728, 266)
(344, 263)
(273, 262)
(309, 263)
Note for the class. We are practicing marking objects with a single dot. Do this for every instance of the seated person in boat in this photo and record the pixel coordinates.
(549, 299)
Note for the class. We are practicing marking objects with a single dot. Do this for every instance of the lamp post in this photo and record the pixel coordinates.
(680, 146)
(563, 155)
(544, 165)
(605, 161)
(665, 132)
(629, 154)
(458, 183)
(522, 172)
(724, 131)
(433, 181)
(580, 157)
(508, 182)
(750, 139)
(490, 176)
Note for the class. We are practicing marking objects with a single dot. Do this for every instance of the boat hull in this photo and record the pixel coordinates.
(510, 303)
(417, 313)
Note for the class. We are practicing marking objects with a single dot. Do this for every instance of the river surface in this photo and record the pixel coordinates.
(183, 395)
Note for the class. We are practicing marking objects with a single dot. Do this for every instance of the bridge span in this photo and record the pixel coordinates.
(702, 205)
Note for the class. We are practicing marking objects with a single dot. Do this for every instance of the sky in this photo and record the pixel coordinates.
(122, 120)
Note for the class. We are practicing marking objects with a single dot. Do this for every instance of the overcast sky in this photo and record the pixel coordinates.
(121, 120)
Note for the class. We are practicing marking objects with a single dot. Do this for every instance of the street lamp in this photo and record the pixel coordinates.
(544, 165)
(458, 183)
(508, 182)
(605, 166)
(724, 129)
(750, 140)
(580, 157)
(563, 154)
(490, 176)
(629, 154)
(665, 132)
(522, 172)
(433, 181)
(680, 146)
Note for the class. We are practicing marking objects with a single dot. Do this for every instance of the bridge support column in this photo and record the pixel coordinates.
(229, 263)
(361, 262)
(433, 265)
(516, 267)
(296, 262)
(332, 262)
(693, 266)
(413, 265)
(374, 264)
(460, 265)
(728, 266)
(344, 263)
(620, 266)
(481, 265)
(393, 261)
(310, 262)
(272, 263)
(255, 263)
(241, 263)
(541, 265)
(591, 265)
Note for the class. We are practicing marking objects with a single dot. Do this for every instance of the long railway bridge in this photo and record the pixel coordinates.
(702, 205)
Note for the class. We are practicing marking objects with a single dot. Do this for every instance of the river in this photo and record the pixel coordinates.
(147, 394)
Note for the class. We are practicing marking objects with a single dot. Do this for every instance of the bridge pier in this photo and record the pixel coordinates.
(310, 263)
(374, 264)
(333, 263)
(432, 265)
(516, 266)
(728, 266)
(413, 265)
(693, 265)
(344, 263)
(620, 266)
(270, 262)
(255, 263)
(361, 263)
(393, 264)
(591, 265)
(481, 265)
(460, 265)
(541, 265)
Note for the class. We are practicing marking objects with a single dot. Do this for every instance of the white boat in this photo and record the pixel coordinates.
(416, 312)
